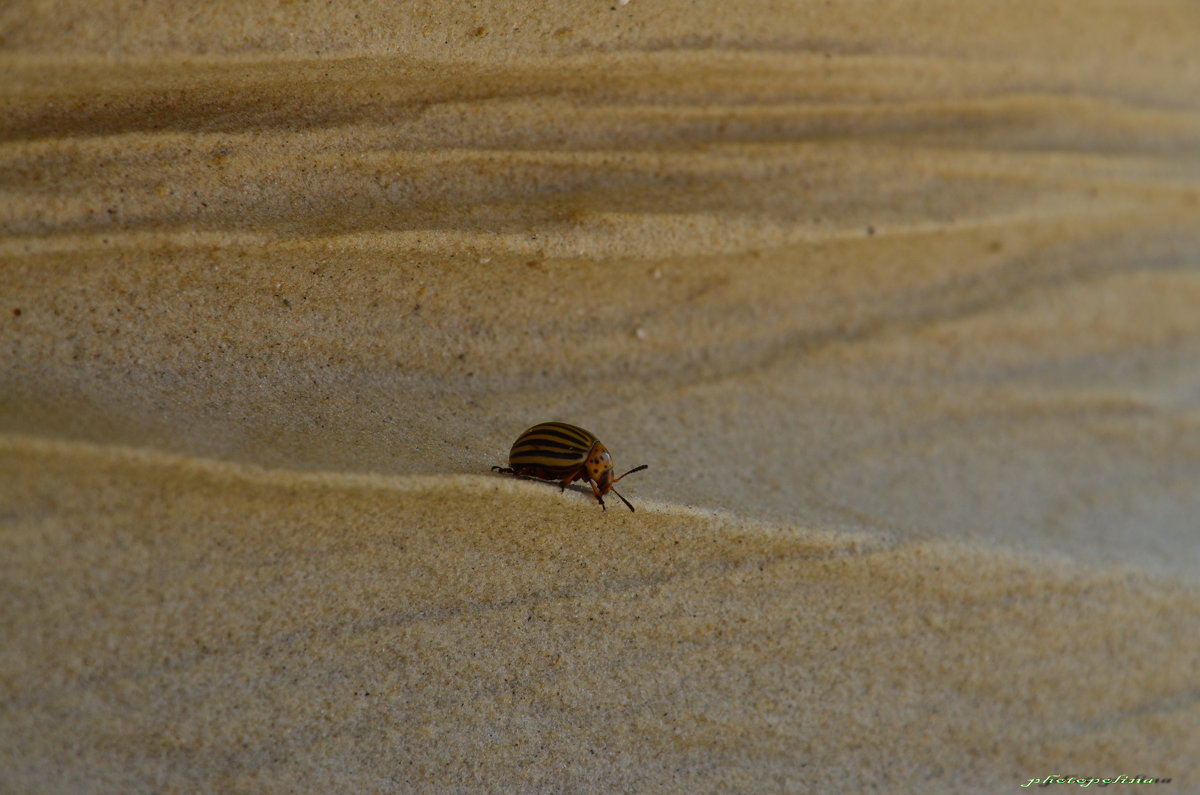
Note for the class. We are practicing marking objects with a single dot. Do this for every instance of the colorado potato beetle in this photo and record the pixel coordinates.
(565, 453)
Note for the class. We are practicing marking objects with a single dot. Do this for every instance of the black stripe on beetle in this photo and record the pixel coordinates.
(539, 444)
(564, 453)
(533, 456)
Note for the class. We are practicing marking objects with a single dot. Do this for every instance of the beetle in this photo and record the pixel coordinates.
(564, 453)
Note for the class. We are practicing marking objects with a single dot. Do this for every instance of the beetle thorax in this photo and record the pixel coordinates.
(599, 466)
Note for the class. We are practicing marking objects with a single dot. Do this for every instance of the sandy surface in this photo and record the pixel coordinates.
(899, 306)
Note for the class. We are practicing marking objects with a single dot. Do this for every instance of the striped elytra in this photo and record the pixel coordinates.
(564, 453)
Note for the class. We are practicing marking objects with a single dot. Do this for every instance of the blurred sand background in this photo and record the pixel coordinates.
(901, 305)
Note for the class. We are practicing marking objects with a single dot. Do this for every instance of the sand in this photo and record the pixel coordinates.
(900, 307)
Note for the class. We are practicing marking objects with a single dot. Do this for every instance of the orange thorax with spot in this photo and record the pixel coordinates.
(599, 466)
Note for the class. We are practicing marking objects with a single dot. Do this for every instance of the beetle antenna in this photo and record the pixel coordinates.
(614, 491)
(630, 472)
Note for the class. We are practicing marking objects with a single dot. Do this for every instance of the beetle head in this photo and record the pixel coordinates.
(600, 468)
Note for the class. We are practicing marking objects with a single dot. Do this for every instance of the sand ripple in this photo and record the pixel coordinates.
(899, 304)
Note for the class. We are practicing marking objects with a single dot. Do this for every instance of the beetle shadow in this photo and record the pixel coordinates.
(576, 487)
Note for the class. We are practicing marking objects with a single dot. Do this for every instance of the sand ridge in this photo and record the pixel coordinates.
(245, 624)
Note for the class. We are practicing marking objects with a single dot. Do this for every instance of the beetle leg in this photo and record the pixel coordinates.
(503, 470)
(596, 491)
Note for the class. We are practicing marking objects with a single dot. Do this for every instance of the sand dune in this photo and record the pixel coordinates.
(899, 305)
